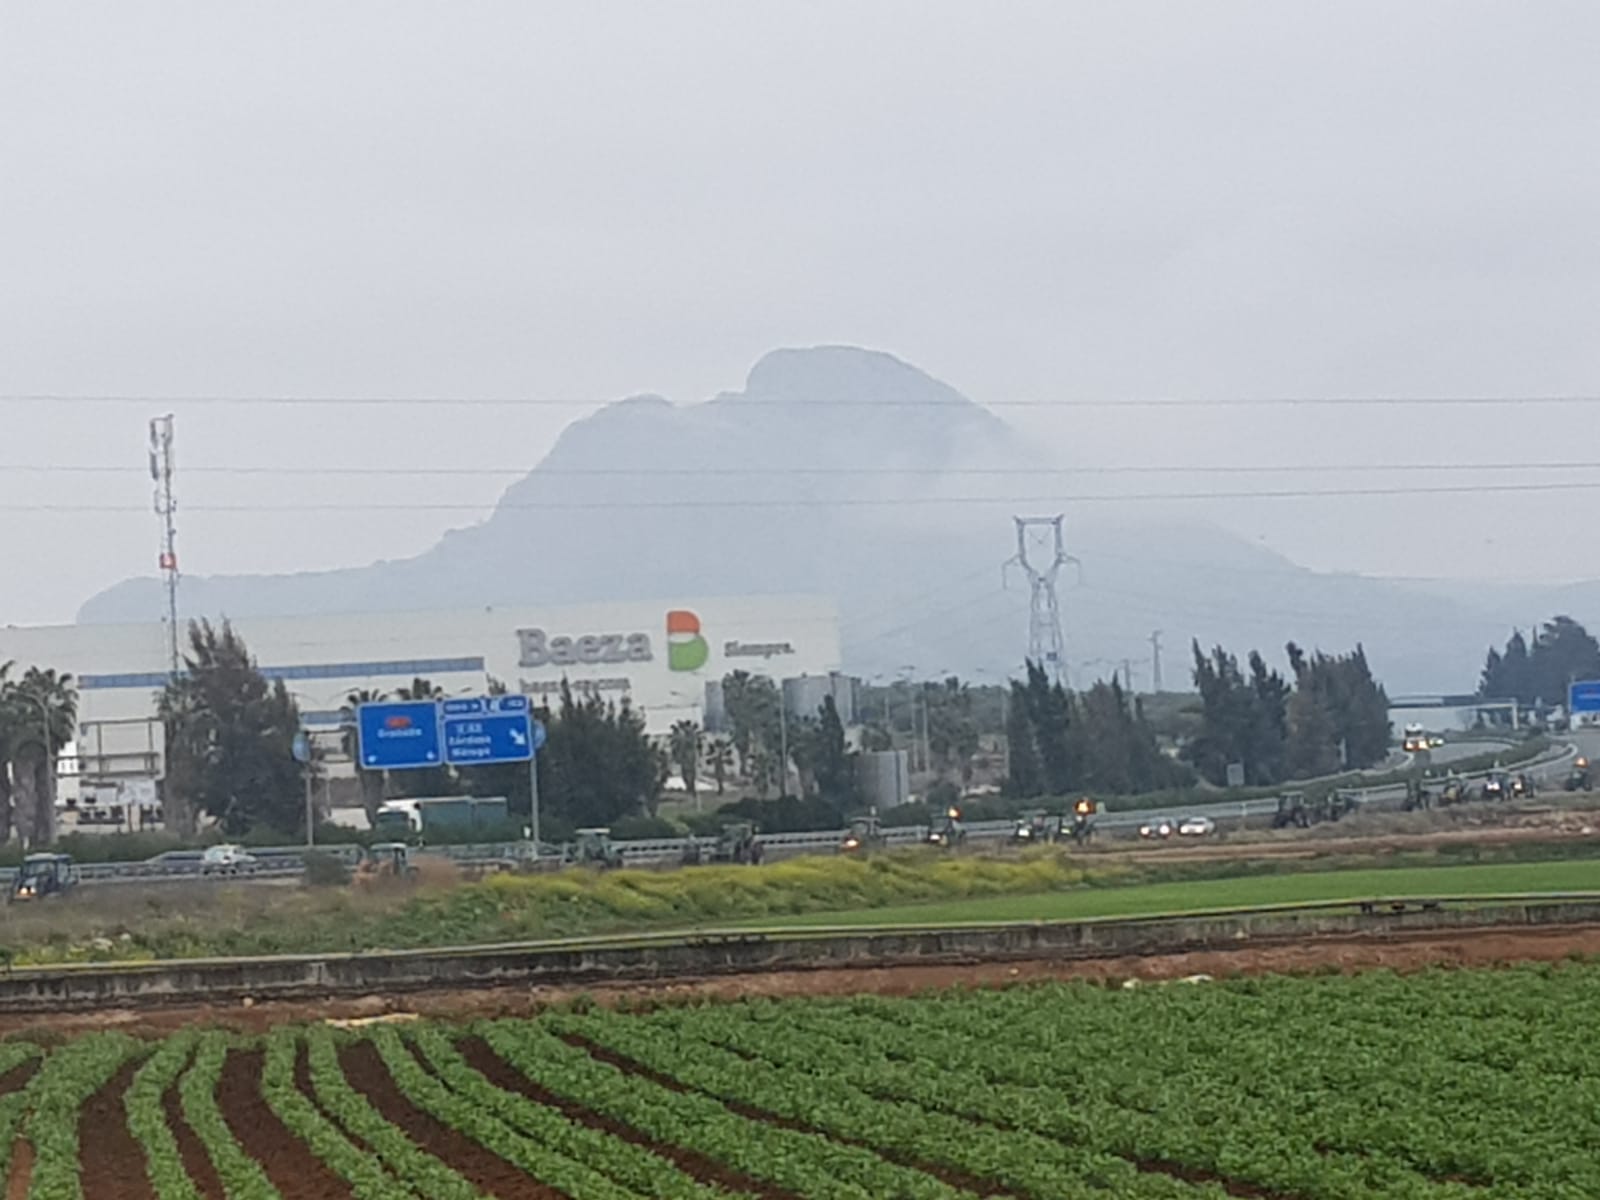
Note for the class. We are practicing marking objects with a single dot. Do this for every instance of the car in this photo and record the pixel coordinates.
(226, 860)
(1196, 827)
(1156, 829)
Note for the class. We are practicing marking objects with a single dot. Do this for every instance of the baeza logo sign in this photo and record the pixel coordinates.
(686, 649)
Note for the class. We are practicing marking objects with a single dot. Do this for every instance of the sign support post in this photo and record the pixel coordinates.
(533, 803)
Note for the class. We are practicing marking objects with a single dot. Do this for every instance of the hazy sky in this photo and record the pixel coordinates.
(577, 201)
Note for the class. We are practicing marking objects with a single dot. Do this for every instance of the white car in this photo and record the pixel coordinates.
(226, 860)
(1196, 827)
(1156, 829)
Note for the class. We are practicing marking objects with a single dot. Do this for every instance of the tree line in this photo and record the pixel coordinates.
(1096, 741)
(1328, 715)
(1562, 653)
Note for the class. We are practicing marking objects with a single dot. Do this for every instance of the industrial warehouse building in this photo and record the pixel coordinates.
(666, 658)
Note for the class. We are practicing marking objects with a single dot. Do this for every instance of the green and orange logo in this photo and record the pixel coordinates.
(686, 649)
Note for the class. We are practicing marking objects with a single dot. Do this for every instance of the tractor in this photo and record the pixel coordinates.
(1340, 804)
(948, 832)
(44, 875)
(1579, 779)
(1292, 810)
(1083, 814)
(1496, 787)
(736, 843)
(385, 861)
(864, 834)
(1036, 828)
(1418, 797)
(594, 848)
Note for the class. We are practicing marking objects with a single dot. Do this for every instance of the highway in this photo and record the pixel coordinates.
(285, 864)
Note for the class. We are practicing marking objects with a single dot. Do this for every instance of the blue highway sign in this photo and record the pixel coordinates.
(399, 737)
(1584, 697)
(498, 732)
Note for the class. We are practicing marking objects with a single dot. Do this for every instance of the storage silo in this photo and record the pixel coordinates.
(884, 778)
(803, 696)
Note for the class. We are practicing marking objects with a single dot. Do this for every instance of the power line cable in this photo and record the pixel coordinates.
(872, 402)
(836, 502)
(333, 471)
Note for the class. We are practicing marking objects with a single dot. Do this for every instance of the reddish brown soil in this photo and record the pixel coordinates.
(708, 1170)
(488, 1172)
(1402, 952)
(110, 1161)
(288, 1162)
(17, 1078)
(196, 1162)
(21, 1170)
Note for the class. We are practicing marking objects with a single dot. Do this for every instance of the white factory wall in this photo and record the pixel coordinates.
(121, 668)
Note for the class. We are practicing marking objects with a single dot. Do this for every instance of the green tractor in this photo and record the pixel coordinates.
(44, 875)
(1083, 814)
(1036, 828)
(1292, 811)
(1579, 779)
(864, 834)
(736, 843)
(947, 832)
(385, 861)
(594, 848)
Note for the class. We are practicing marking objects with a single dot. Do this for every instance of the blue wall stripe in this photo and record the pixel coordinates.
(357, 670)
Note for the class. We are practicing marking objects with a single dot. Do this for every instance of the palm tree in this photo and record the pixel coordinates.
(42, 716)
(763, 772)
(420, 689)
(719, 761)
(372, 782)
(683, 747)
(8, 739)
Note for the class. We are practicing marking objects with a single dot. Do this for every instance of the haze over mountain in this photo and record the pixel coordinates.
(848, 472)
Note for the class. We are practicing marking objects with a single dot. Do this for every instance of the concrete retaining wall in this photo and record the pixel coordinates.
(309, 976)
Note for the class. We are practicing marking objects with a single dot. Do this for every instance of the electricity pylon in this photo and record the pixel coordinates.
(1045, 643)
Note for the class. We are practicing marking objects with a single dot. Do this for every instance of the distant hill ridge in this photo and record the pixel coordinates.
(916, 572)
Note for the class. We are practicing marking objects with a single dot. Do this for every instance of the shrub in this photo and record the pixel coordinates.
(325, 870)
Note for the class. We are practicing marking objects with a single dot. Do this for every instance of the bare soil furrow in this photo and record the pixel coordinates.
(288, 1162)
(487, 1171)
(110, 1160)
(196, 1162)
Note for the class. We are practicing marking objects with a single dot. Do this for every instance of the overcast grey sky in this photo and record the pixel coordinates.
(576, 201)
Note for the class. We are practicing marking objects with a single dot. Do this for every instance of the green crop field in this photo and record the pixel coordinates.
(1199, 895)
(1468, 1085)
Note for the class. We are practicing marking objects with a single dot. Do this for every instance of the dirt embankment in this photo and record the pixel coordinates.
(1466, 948)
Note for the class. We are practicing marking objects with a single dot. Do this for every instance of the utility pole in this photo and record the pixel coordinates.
(1127, 677)
(1155, 661)
(163, 462)
(1045, 643)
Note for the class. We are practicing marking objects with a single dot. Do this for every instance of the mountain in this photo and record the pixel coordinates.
(646, 499)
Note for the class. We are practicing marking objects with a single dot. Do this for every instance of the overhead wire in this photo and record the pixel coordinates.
(286, 400)
(340, 470)
(803, 502)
